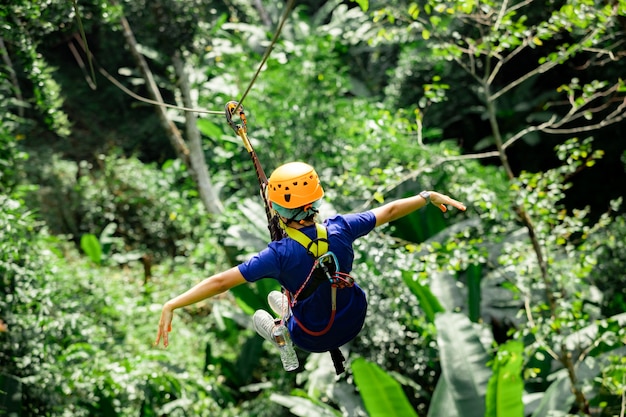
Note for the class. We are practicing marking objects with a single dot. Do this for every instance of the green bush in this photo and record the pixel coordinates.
(79, 338)
(136, 211)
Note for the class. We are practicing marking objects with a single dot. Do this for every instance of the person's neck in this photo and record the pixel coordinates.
(297, 225)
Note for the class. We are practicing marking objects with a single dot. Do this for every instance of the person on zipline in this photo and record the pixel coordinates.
(321, 314)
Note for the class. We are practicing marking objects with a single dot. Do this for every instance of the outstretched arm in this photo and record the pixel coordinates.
(210, 287)
(400, 208)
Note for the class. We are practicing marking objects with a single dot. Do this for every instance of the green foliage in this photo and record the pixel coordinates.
(31, 23)
(464, 366)
(90, 354)
(381, 394)
(607, 273)
(10, 160)
(427, 301)
(135, 209)
(315, 100)
(90, 245)
(505, 387)
(300, 405)
(613, 385)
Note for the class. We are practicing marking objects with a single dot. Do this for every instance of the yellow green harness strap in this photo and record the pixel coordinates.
(316, 247)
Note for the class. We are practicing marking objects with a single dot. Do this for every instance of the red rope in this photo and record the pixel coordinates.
(306, 281)
(330, 321)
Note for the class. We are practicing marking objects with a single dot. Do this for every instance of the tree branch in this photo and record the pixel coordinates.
(14, 81)
(546, 66)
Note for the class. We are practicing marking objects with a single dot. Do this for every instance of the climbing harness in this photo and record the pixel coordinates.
(325, 268)
(325, 263)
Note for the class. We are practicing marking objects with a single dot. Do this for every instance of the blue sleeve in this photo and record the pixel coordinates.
(264, 264)
(360, 224)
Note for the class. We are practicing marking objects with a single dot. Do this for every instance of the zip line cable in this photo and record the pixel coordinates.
(136, 96)
(83, 43)
(283, 19)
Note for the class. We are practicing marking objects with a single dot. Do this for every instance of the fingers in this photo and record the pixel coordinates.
(162, 334)
(444, 200)
(458, 205)
(165, 326)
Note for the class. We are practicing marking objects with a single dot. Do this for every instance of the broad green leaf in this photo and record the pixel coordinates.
(382, 395)
(558, 397)
(90, 245)
(463, 363)
(442, 404)
(248, 359)
(428, 302)
(506, 387)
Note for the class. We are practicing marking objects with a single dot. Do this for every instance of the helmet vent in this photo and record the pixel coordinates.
(294, 185)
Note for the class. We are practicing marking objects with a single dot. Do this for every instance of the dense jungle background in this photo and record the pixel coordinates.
(113, 202)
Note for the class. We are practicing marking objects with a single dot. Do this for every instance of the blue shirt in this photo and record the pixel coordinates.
(287, 261)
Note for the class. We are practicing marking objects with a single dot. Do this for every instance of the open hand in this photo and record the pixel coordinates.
(441, 200)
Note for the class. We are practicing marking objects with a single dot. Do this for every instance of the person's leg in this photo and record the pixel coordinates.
(278, 302)
(263, 323)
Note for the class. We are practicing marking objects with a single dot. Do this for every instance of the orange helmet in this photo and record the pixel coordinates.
(294, 185)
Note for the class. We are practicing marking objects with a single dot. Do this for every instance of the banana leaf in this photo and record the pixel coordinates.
(558, 397)
(463, 366)
(442, 403)
(382, 395)
(506, 387)
(428, 302)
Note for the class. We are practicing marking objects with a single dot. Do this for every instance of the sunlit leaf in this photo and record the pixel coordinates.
(427, 301)
(91, 246)
(505, 388)
(382, 395)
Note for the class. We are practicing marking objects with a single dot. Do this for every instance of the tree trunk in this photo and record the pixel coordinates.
(207, 191)
(194, 158)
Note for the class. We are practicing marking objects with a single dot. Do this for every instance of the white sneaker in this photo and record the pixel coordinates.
(263, 323)
(278, 302)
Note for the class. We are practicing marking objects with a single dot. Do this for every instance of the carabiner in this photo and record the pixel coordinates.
(231, 107)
